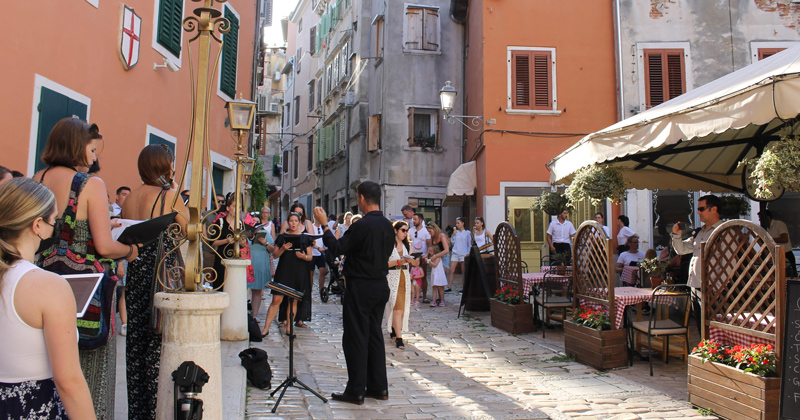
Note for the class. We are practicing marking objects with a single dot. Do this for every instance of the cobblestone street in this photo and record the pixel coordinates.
(465, 368)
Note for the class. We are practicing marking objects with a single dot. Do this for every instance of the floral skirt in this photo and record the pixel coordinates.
(31, 400)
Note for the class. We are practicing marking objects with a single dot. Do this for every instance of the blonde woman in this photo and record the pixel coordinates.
(40, 374)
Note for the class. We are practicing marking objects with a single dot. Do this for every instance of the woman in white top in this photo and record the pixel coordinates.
(40, 375)
(399, 279)
(624, 233)
(462, 239)
(481, 235)
(600, 218)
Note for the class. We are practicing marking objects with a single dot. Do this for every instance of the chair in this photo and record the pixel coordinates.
(524, 267)
(668, 316)
(554, 295)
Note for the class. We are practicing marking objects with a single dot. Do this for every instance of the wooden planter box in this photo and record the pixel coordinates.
(599, 349)
(732, 393)
(516, 319)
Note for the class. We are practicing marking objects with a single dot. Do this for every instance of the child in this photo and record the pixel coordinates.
(438, 277)
(416, 284)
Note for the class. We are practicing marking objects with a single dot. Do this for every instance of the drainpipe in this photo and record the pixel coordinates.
(618, 28)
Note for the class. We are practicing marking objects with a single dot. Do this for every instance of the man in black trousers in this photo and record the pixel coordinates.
(366, 245)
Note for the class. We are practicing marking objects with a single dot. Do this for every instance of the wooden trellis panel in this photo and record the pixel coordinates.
(508, 258)
(592, 266)
(744, 282)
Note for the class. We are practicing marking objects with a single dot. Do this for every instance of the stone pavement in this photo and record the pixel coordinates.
(463, 368)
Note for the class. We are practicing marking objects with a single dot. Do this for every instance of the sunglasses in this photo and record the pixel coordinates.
(220, 201)
(704, 208)
(404, 230)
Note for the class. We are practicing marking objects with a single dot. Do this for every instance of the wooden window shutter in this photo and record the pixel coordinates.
(312, 39)
(411, 126)
(170, 25)
(335, 65)
(229, 56)
(296, 159)
(431, 26)
(414, 28)
(542, 65)
(521, 80)
(373, 132)
(311, 95)
(665, 78)
(310, 153)
(286, 161)
(343, 131)
(766, 52)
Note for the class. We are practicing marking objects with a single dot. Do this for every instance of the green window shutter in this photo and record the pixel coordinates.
(230, 47)
(317, 34)
(170, 16)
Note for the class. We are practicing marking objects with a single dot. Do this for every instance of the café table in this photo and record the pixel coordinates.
(623, 296)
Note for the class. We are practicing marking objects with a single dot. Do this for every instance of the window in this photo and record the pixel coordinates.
(312, 40)
(298, 58)
(296, 163)
(285, 161)
(300, 25)
(373, 132)
(156, 136)
(55, 102)
(760, 50)
(343, 131)
(319, 91)
(169, 27)
(328, 78)
(344, 61)
(531, 75)
(423, 127)
(310, 153)
(421, 29)
(296, 110)
(288, 115)
(230, 50)
(335, 71)
(378, 23)
(311, 95)
(664, 72)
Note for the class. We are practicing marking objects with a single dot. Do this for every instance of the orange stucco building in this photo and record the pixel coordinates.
(541, 74)
(64, 58)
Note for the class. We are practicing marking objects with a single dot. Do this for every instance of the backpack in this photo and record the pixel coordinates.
(259, 373)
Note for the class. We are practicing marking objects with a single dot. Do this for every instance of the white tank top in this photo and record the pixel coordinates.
(24, 358)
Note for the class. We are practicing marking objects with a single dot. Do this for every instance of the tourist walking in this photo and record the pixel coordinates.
(366, 246)
(462, 240)
(261, 259)
(420, 241)
(399, 279)
(40, 373)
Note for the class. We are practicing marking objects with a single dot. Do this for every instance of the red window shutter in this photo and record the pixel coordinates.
(675, 77)
(521, 79)
(653, 73)
(542, 89)
(665, 76)
(766, 52)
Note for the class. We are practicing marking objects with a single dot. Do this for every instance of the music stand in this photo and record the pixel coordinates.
(291, 379)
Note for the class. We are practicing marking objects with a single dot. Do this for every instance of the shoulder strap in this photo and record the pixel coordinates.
(161, 195)
(44, 173)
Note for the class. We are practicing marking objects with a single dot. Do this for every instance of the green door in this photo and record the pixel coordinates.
(54, 106)
(154, 139)
(216, 176)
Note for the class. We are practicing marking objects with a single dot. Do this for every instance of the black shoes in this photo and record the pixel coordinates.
(352, 399)
(378, 395)
(392, 335)
(399, 343)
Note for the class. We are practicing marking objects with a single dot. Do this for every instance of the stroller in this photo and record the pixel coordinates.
(336, 282)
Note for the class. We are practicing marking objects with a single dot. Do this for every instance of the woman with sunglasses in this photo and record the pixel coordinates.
(462, 239)
(292, 268)
(396, 314)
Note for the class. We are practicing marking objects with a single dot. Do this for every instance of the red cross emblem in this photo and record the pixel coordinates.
(131, 28)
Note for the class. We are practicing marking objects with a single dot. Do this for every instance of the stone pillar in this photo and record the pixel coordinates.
(190, 332)
(233, 324)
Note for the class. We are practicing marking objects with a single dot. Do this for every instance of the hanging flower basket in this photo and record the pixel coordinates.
(733, 206)
(597, 183)
(550, 202)
(778, 168)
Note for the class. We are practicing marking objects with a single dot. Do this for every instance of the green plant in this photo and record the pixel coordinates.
(592, 318)
(425, 142)
(508, 294)
(778, 166)
(258, 191)
(551, 203)
(705, 411)
(733, 206)
(597, 183)
(758, 359)
(560, 258)
(562, 358)
(654, 266)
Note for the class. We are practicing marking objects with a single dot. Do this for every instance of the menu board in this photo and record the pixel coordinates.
(790, 357)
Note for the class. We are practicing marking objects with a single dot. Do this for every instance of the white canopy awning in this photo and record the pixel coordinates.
(463, 182)
(695, 141)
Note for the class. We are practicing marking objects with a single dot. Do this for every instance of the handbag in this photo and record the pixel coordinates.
(162, 266)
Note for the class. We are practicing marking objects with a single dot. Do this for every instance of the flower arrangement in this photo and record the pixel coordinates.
(654, 266)
(597, 183)
(550, 202)
(592, 318)
(508, 294)
(758, 359)
(778, 167)
(425, 142)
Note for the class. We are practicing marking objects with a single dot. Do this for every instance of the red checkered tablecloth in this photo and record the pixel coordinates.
(531, 280)
(733, 338)
(623, 296)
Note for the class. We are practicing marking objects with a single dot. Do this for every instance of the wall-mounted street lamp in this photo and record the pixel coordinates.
(447, 96)
(240, 116)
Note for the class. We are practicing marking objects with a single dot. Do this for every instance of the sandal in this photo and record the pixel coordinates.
(281, 324)
(392, 335)
(399, 343)
(300, 324)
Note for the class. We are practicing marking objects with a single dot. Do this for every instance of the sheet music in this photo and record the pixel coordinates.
(117, 231)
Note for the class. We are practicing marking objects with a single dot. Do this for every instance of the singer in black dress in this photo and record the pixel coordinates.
(292, 269)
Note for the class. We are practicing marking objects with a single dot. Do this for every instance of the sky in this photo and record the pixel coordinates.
(280, 9)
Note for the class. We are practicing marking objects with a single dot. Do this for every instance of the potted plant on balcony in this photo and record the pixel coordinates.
(597, 183)
(510, 312)
(588, 336)
(550, 202)
(734, 381)
(656, 268)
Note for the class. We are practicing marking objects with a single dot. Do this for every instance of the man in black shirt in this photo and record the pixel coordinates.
(366, 246)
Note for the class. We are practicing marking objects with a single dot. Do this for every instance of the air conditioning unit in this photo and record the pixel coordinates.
(275, 107)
